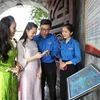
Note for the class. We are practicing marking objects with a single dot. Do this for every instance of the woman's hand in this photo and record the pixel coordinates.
(15, 70)
(39, 74)
(47, 52)
(38, 55)
(19, 65)
(62, 65)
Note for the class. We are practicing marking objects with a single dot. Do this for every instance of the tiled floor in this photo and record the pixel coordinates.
(47, 93)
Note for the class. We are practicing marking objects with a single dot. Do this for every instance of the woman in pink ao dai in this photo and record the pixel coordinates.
(28, 56)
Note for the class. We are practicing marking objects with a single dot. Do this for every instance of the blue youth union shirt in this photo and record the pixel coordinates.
(70, 51)
(48, 43)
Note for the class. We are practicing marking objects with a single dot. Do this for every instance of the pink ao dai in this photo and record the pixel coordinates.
(29, 84)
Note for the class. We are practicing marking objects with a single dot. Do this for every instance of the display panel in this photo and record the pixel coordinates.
(92, 27)
(83, 82)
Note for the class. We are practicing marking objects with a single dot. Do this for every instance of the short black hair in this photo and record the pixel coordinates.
(46, 21)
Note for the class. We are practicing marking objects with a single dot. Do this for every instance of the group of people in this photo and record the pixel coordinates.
(26, 66)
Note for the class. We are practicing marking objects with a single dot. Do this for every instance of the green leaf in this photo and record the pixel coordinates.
(37, 14)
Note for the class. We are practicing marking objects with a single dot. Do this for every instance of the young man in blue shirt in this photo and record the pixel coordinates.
(48, 41)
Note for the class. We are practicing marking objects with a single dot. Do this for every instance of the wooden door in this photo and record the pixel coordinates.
(60, 12)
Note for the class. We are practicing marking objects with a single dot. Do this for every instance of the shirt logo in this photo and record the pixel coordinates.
(70, 48)
(49, 43)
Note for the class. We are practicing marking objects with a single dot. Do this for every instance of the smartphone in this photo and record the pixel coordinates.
(65, 68)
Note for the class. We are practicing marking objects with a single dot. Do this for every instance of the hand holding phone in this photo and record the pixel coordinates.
(45, 52)
(48, 52)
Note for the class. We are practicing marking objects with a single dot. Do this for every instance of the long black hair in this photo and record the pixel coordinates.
(28, 27)
(8, 20)
(5, 47)
(4, 41)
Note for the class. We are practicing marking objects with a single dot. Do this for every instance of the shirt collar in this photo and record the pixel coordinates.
(40, 36)
(68, 41)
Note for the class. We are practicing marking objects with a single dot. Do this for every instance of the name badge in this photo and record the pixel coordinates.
(49, 43)
(70, 48)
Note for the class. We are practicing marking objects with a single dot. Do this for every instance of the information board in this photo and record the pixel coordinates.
(92, 26)
(83, 82)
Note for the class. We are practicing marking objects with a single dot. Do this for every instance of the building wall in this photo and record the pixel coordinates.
(79, 28)
(80, 36)
(60, 13)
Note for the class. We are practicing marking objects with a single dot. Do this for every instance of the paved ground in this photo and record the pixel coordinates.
(47, 93)
(57, 93)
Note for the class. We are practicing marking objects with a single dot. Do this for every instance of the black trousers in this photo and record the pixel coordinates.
(71, 69)
(49, 74)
